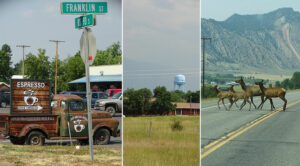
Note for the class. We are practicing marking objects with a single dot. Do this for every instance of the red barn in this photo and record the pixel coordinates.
(186, 109)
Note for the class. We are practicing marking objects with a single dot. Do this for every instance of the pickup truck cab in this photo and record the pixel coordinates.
(111, 105)
(68, 119)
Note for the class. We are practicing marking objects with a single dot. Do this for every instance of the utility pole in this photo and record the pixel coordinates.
(23, 46)
(203, 62)
(56, 41)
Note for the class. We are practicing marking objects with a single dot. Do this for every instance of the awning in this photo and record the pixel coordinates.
(99, 78)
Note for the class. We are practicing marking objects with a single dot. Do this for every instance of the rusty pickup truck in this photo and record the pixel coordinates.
(66, 119)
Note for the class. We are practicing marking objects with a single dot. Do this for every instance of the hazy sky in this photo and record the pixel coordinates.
(35, 22)
(222, 9)
(161, 39)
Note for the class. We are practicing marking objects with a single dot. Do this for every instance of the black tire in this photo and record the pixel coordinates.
(35, 138)
(3, 104)
(111, 110)
(102, 137)
(17, 141)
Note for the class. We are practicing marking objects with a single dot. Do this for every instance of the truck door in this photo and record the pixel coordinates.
(78, 120)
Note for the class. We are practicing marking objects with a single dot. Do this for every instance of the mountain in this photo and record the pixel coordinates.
(267, 43)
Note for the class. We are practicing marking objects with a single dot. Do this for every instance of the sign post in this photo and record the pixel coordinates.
(87, 45)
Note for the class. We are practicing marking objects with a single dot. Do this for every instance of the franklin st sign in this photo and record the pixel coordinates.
(83, 7)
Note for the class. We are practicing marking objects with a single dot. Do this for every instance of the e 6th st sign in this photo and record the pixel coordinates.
(83, 7)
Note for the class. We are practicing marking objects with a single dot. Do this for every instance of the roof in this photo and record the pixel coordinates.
(65, 97)
(99, 78)
(4, 84)
(187, 105)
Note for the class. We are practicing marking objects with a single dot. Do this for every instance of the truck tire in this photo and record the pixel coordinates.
(102, 137)
(111, 110)
(35, 138)
(17, 141)
(3, 104)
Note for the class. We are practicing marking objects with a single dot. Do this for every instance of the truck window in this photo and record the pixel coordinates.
(95, 95)
(63, 104)
(76, 106)
(54, 104)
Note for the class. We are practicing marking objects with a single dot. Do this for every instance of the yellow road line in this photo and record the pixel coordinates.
(223, 140)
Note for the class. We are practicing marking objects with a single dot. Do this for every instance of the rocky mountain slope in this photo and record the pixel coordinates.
(267, 43)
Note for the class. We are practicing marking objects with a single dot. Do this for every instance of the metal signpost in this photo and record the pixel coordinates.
(87, 44)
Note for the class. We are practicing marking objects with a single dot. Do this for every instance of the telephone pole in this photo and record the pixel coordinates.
(56, 41)
(203, 61)
(23, 46)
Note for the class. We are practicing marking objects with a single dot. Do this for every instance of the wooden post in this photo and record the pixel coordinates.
(150, 128)
(56, 59)
(23, 46)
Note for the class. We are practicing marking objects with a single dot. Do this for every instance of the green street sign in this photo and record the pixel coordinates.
(85, 21)
(83, 7)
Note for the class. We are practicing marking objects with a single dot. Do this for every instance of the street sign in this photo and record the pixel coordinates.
(88, 40)
(85, 21)
(83, 7)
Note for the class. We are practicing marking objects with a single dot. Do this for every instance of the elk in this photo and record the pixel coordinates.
(240, 95)
(222, 95)
(252, 90)
(272, 93)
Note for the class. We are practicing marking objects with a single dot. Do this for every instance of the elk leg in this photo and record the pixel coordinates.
(285, 102)
(224, 104)
(262, 104)
(250, 104)
(243, 104)
(272, 105)
(219, 103)
(253, 102)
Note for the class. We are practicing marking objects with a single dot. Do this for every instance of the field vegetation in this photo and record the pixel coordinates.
(165, 147)
(55, 155)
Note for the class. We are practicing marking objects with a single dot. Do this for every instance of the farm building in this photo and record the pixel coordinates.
(186, 109)
(3, 85)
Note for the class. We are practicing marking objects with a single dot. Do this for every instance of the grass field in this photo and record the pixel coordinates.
(17, 155)
(165, 147)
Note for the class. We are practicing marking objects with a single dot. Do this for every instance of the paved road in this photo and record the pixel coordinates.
(273, 141)
(115, 142)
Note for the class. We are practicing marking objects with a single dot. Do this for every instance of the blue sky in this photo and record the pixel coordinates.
(35, 22)
(161, 39)
(222, 9)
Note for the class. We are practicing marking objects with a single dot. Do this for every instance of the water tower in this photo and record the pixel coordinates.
(179, 82)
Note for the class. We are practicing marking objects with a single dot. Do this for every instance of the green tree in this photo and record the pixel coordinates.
(277, 84)
(132, 103)
(295, 80)
(177, 96)
(194, 97)
(112, 55)
(285, 83)
(5, 63)
(37, 67)
(17, 70)
(163, 101)
(145, 95)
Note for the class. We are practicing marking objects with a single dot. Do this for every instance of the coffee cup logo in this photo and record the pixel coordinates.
(30, 100)
(78, 126)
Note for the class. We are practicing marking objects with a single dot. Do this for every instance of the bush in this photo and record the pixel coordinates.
(176, 125)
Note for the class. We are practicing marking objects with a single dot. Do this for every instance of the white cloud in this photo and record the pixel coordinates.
(27, 13)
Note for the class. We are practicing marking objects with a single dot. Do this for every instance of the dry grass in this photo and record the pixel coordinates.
(164, 147)
(18, 155)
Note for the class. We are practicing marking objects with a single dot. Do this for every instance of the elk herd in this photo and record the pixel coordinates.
(249, 91)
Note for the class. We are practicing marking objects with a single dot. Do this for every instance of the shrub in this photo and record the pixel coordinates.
(176, 125)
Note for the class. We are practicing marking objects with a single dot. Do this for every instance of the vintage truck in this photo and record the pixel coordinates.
(32, 121)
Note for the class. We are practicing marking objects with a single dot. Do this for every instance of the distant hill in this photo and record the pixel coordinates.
(267, 43)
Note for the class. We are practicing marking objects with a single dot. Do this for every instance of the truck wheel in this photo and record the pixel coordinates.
(3, 104)
(17, 141)
(111, 110)
(102, 137)
(35, 138)
(83, 142)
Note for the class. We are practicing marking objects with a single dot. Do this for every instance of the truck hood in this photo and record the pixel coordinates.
(100, 114)
(107, 100)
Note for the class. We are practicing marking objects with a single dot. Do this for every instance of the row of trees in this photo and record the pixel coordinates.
(293, 83)
(41, 67)
(143, 101)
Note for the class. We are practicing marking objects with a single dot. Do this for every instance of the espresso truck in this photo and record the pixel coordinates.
(35, 116)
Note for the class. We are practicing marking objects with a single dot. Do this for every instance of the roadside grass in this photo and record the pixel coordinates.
(55, 155)
(164, 147)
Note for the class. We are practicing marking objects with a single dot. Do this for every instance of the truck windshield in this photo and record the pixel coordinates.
(76, 106)
(116, 96)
